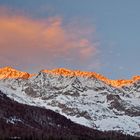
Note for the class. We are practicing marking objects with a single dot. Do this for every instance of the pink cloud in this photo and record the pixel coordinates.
(43, 42)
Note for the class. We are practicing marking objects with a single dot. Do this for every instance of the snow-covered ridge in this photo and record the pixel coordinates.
(9, 72)
(78, 73)
(85, 100)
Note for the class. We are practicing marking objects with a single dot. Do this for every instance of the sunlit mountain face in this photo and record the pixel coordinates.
(9, 72)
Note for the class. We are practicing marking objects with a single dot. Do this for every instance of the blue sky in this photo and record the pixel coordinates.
(117, 25)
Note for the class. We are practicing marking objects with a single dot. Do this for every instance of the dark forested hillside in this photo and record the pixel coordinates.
(19, 121)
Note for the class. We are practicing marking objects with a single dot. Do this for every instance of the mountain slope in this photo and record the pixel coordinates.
(85, 98)
(18, 121)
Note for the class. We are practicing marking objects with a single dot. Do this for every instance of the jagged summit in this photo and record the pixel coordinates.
(8, 68)
(81, 96)
(78, 73)
(9, 72)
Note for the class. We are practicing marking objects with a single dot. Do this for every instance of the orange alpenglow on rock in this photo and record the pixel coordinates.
(9, 73)
(78, 73)
(114, 83)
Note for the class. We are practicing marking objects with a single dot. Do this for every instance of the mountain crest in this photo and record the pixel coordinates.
(9, 72)
(8, 68)
(78, 73)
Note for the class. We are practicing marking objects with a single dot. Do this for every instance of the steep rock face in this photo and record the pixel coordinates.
(87, 100)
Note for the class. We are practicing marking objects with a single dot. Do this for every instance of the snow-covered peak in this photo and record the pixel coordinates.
(9, 72)
(87, 98)
(68, 72)
(77, 73)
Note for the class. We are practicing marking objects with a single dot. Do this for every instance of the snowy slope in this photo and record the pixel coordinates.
(85, 100)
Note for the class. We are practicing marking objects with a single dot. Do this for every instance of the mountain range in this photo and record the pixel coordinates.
(90, 100)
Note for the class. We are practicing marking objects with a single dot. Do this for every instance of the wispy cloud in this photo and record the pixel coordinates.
(44, 42)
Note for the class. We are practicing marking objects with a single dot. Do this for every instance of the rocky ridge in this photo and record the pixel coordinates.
(84, 97)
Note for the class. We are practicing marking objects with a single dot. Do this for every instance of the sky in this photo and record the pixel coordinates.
(90, 35)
